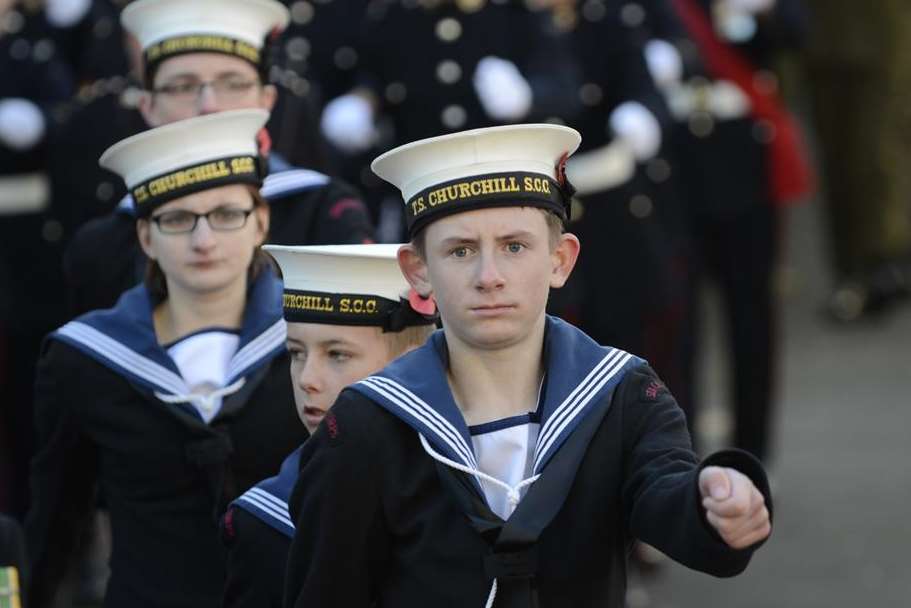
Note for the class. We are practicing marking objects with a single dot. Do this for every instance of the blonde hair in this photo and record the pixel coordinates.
(400, 342)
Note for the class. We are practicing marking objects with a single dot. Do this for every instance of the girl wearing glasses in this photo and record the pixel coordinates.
(175, 401)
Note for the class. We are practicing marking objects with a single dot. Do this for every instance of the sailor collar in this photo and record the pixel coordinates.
(268, 500)
(123, 338)
(580, 376)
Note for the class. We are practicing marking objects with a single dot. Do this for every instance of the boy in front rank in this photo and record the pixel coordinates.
(348, 316)
(510, 461)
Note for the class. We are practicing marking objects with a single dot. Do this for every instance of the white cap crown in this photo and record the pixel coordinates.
(496, 166)
(212, 149)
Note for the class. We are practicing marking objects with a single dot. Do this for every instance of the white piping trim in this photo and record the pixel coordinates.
(116, 352)
(263, 344)
(423, 412)
(257, 498)
(598, 369)
(285, 181)
(570, 410)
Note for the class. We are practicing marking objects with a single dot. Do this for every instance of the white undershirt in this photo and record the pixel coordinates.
(203, 360)
(506, 454)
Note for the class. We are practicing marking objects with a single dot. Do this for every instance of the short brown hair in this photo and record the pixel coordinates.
(555, 227)
(157, 284)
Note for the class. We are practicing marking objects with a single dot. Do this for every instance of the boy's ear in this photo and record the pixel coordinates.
(415, 270)
(563, 259)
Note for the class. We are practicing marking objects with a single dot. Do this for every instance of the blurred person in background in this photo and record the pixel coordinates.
(742, 161)
(35, 79)
(627, 212)
(184, 80)
(626, 195)
(859, 79)
(316, 59)
(429, 68)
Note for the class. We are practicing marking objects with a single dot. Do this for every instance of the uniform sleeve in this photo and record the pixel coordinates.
(661, 491)
(256, 559)
(63, 474)
(337, 551)
(343, 218)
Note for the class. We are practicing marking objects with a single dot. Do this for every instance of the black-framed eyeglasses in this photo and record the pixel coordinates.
(222, 219)
(226, 87)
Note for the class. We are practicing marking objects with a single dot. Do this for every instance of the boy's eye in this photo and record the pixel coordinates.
(460, 252)
(296, 354)
(337, 355)
(515, 247)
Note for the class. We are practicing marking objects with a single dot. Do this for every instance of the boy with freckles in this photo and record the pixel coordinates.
(510, 461)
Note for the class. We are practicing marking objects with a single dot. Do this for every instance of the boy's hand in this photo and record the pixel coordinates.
(734, 507)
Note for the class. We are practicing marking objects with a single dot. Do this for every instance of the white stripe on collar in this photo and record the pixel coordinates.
(159, 376)
(269, 504)
(418, 408)
(257, 348)
(132, 362)
(292, 180)
(576, 401)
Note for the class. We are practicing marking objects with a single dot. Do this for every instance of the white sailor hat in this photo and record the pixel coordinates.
(188, 156)
(514, 165)
(348, 285)
(166, 28)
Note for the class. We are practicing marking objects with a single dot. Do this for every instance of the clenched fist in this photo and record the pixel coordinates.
(734, 507)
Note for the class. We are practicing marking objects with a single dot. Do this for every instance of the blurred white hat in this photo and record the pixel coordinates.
(166, 28)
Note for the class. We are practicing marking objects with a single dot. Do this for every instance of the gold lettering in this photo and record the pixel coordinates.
(242, 165)
(513, 185)
(218, 44)
(464, 190)
(487, 186)
(246, 51)
(418, 206)
(302, 302)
